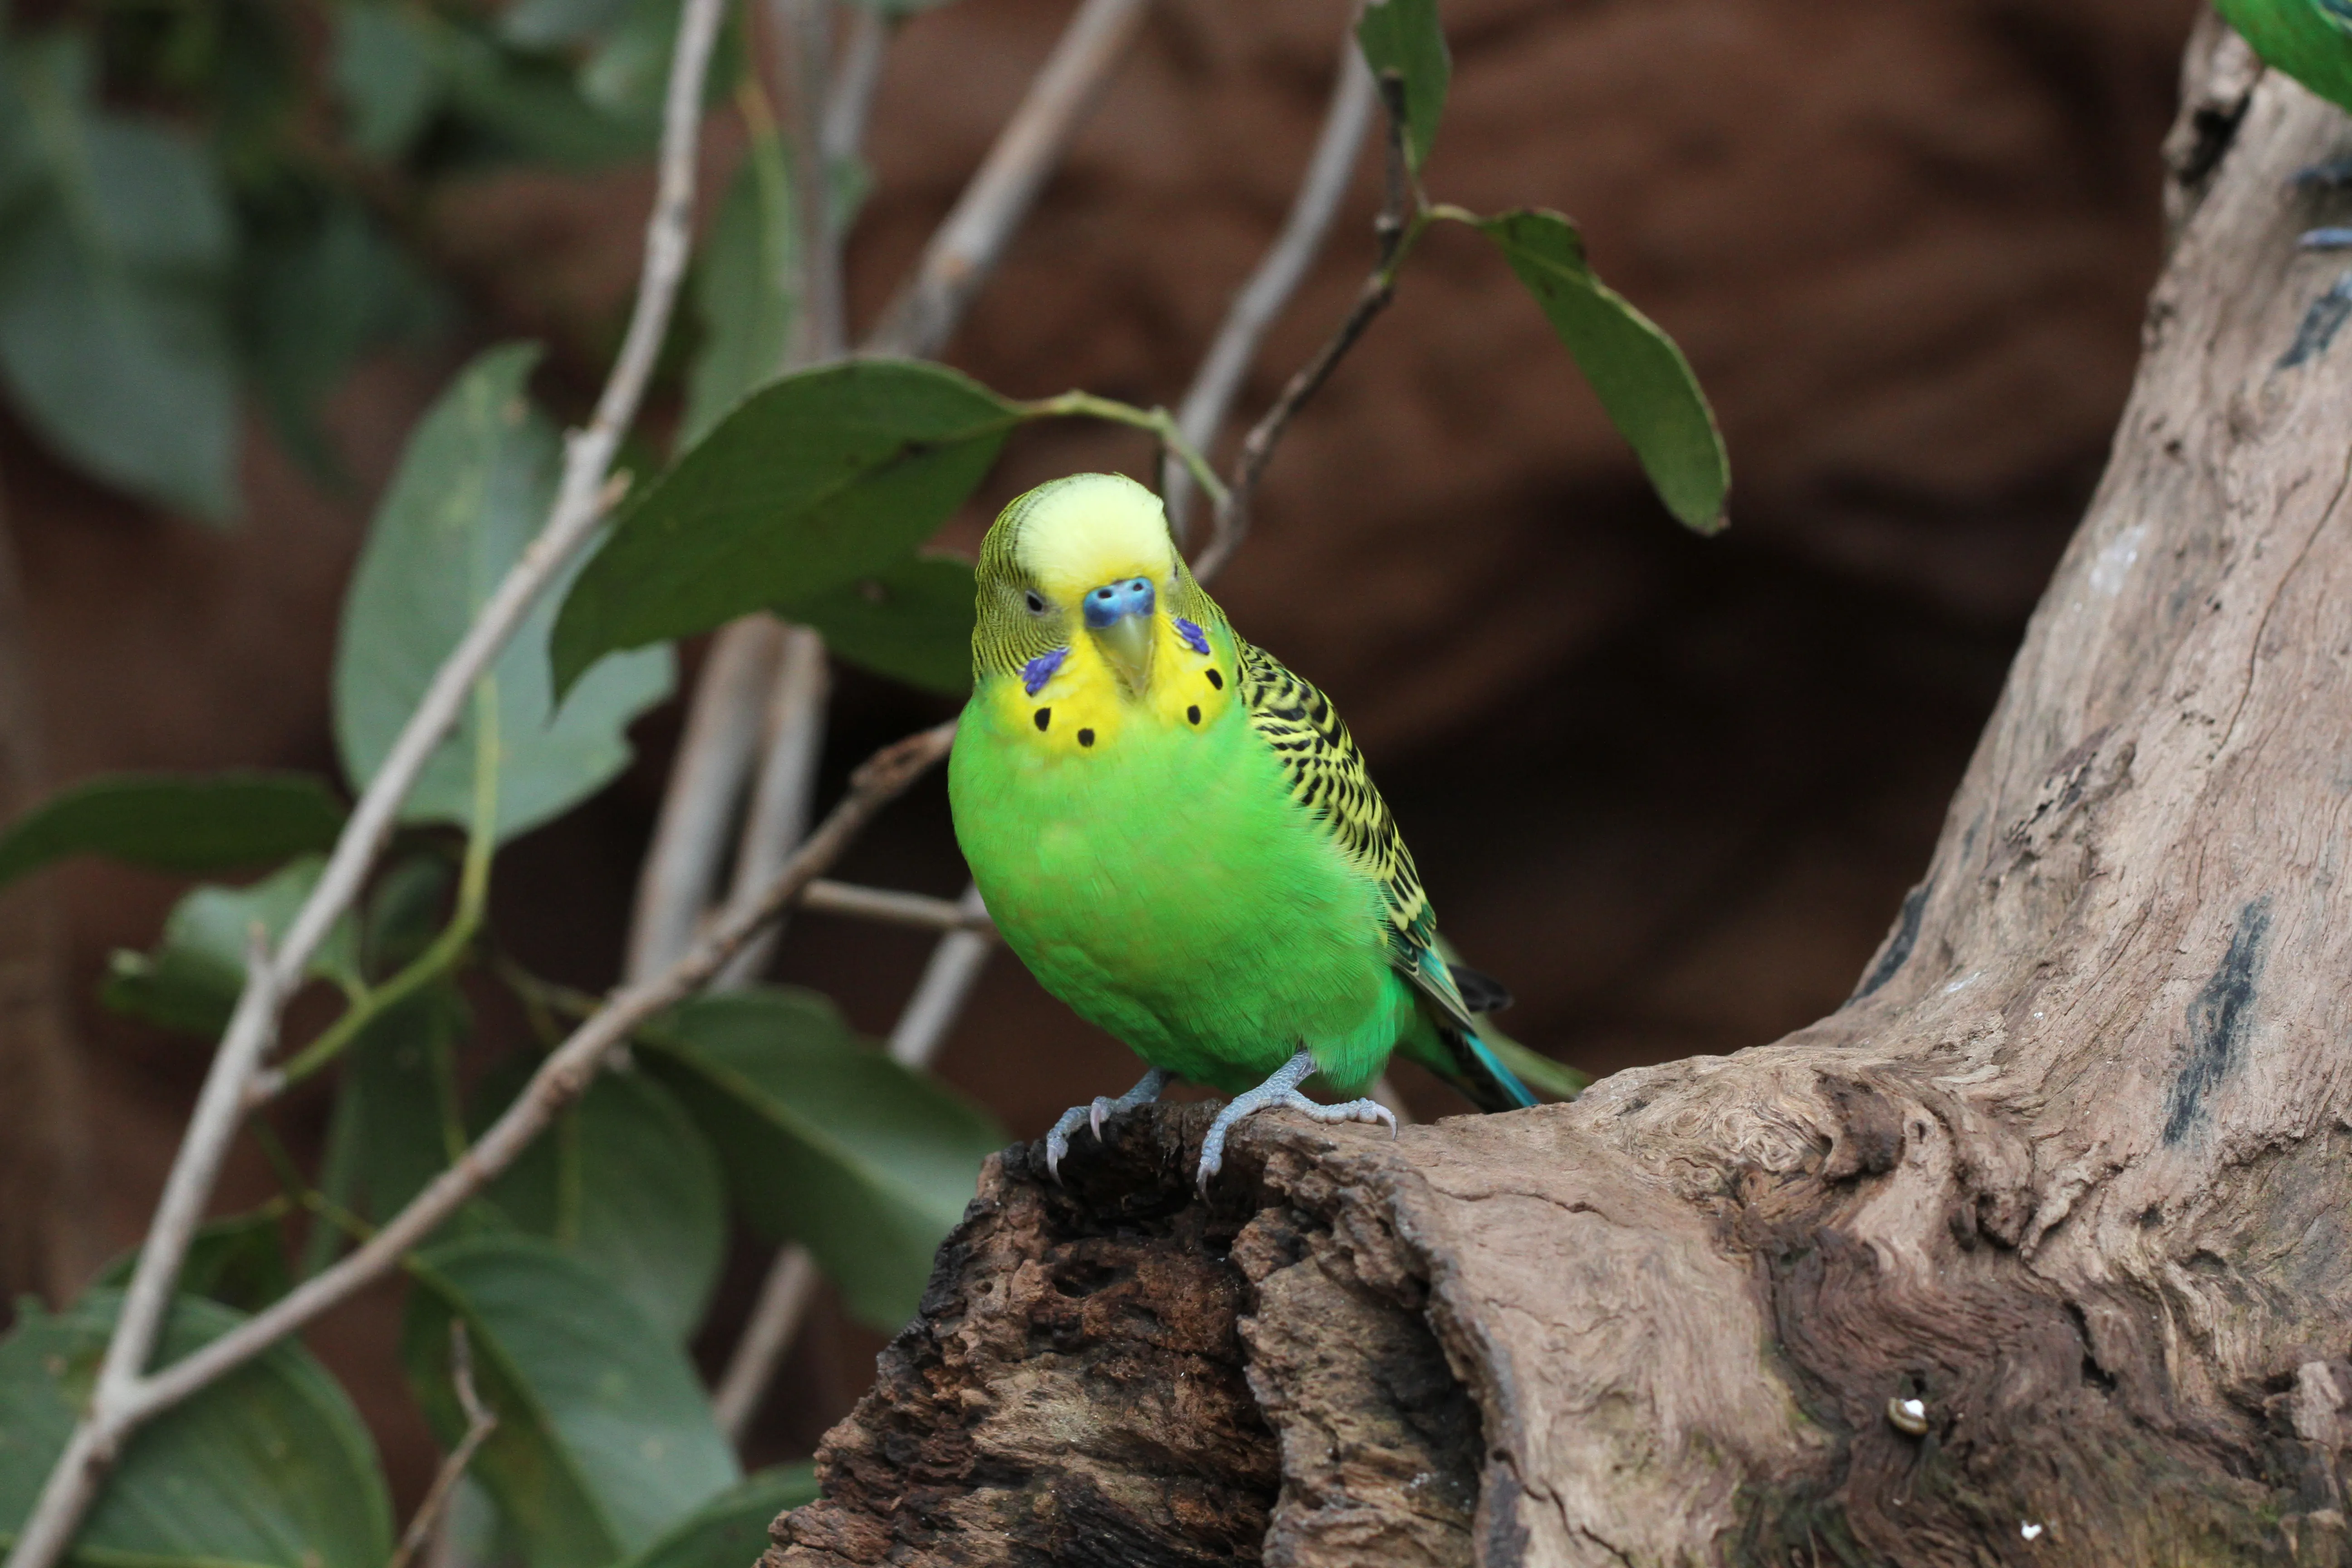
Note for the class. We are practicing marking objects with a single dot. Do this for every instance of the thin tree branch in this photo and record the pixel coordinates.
(893, 908)
(697, 811)
(968, 246)
(480, 1422)
(849, 101)
(784, 1296)
(122, 1399)
(803, 31)
(1399, 223)
(560, 1078)
(779, 811)
(1354, 97)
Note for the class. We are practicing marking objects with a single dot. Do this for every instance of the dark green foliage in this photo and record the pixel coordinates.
(176, 822)
(826, 1141)
(812, 483)
(1405, 46)
(1641, 377)
(473, 487)
(605, 1439)
(271, 1466)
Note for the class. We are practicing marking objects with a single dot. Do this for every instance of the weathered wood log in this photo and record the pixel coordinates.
(2039, 1250)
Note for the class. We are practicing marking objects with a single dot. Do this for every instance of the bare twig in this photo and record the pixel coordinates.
(968, 246)
(480, 1422)
(1279, 273)
(784, 1296)
(123, 1399)
(849, 101)
(1399, 224)
(697, 813)
(891, 908)
(803, 30)
(927, 308)
(560, 1078)
(779, 812)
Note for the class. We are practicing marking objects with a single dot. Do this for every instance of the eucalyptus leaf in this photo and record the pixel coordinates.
(318, 285)
(473, 487)
(388, 72)
(744, 298)
(1403, 41)
(114, 336)
(604, 1440)
(626, 1182)
(732, 1529)
(825, 1140)
(912, 620)
(1641, 377)
(813, 481)
(175, 822)
(271, 1466)
(191, 981)
(396, 1124)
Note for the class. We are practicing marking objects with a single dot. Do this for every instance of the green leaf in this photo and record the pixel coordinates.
(238, 1261)
(401, 1095)
(626, 1182)
(731, 1529)
(113, 323)
(317, 285)
(550, 23)
(473, 487)
(825, 1140)
(192, 979)
(1644, 382)
(175, 822)
(627, 73)
(605, 1439)
(388, 74)
(1403, 41)
(815, 480)
(743, 297)
(271, 1466)
(912, 620)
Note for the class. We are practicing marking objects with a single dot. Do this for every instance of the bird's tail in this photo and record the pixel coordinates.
(1480, 1074)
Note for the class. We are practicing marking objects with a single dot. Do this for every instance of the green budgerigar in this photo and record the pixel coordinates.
(2311, 40)
(1179, 837)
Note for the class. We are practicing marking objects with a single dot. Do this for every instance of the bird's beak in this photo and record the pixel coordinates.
(1120, 618)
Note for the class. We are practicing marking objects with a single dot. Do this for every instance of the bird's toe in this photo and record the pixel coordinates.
(1057, 1141)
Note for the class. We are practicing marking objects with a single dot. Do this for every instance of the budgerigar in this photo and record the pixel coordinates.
(2311, 40)
(1178, 835)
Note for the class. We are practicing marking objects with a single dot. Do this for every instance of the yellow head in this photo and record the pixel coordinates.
(1082, 592)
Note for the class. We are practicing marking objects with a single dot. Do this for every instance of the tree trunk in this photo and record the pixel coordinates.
(2073, 1170)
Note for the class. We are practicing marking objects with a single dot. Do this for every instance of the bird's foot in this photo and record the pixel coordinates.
(1281, 1089)
(2325, 239)
(1057, 1142)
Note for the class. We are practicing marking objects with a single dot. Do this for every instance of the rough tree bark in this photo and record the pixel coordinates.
(2073, 1170)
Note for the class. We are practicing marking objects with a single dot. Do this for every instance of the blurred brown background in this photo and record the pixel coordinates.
(1671, 790)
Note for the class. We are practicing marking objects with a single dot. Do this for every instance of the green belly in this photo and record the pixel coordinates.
(1168, 889)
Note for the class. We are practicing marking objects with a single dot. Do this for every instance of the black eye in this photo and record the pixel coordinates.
(1036, 602)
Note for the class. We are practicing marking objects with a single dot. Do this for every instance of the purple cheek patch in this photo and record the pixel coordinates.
(1039, 670)
(1194, 638)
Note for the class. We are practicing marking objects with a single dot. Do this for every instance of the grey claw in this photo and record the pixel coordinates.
(1104, 1105)
(1057, 1142)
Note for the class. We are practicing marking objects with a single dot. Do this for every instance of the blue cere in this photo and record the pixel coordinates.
(1194, 638)
(1039, 670)
(1114, 601)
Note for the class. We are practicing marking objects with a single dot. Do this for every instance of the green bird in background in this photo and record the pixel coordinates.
(2310, 40)
(1179, 839)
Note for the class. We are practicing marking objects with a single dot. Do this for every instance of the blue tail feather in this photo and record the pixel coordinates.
(1488, 1083)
